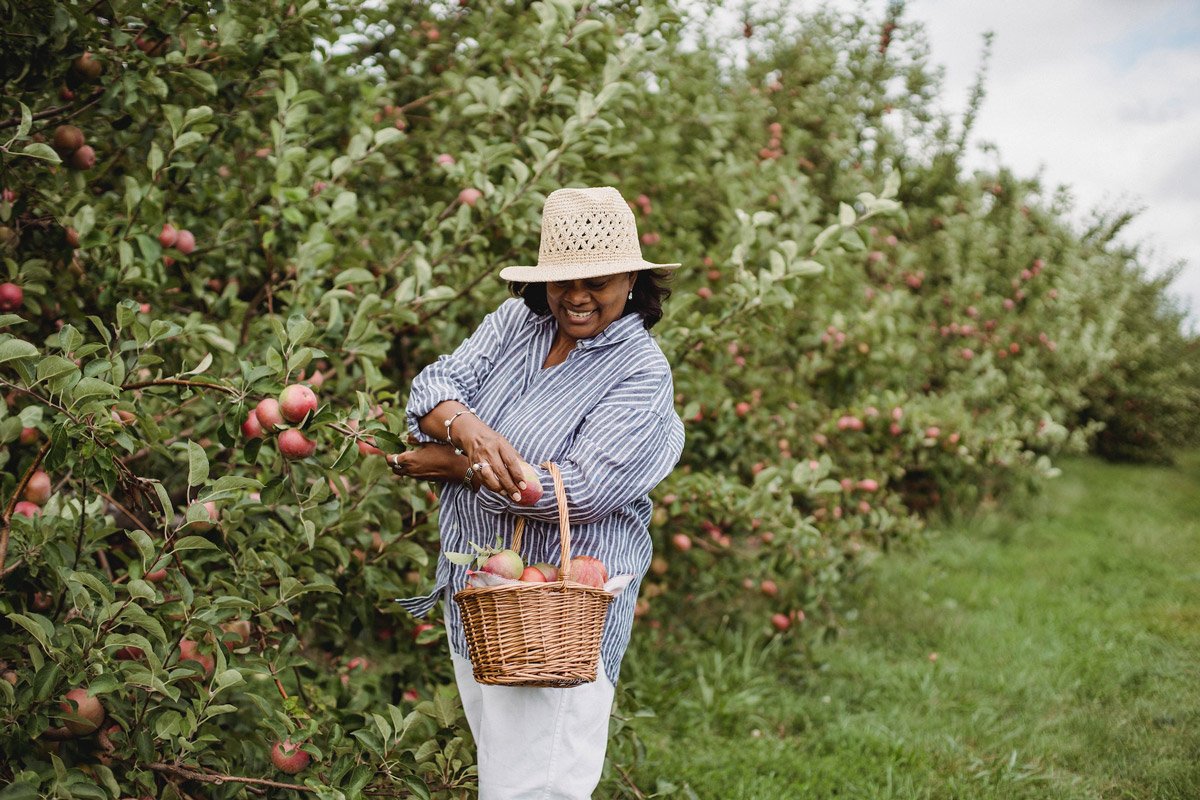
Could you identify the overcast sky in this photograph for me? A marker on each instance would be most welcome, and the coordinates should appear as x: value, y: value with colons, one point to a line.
x: 1100, y: 95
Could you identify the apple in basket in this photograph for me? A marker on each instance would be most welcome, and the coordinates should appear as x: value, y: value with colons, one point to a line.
x: 533, y: 575
x: 505, y: 564
x: 588, y: 571
x: 549, y: 570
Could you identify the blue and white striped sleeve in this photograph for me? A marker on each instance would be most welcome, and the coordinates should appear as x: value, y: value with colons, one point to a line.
x: 457, y: 376
x: 625, y: 446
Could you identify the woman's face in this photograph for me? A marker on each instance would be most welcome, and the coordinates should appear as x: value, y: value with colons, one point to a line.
x: 584, y: 308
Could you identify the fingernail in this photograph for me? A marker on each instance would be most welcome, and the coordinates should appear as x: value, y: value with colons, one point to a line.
x: 516, y: 495
x: 522, y: 485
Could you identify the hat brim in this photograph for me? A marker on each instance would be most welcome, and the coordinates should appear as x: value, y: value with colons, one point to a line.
x: 571, y: 272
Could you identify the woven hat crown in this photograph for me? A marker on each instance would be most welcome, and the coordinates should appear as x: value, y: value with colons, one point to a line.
x: 585, y: 232
x: 586, y: 226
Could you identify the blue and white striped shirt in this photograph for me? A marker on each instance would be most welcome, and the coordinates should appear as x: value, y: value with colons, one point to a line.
x: 605, y: 416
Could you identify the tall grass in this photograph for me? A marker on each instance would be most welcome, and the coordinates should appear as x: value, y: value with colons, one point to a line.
x: 1047, y: 650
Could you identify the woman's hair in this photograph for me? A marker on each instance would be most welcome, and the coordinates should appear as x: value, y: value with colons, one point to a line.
x: 650, y: 291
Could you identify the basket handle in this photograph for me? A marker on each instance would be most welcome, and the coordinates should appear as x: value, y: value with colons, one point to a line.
x: 564, y: 525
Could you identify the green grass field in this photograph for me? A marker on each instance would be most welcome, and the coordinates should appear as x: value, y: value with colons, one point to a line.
x: 1067, y: 642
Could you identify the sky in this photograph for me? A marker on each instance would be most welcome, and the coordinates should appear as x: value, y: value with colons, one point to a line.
x: 1102, y: 96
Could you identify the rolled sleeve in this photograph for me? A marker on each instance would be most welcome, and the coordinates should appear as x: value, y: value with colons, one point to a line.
x: 458, y: 376
x: 625, y: 446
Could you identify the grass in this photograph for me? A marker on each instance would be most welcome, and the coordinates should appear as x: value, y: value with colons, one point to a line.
x: 1067, y: 642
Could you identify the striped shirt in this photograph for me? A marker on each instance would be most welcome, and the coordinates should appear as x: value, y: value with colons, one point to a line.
x: 605, y: 416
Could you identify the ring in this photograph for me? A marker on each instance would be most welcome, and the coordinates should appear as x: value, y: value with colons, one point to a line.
x: 480, y: 465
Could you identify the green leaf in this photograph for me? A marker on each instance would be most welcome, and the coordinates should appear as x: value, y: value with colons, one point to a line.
x: 194, y: 543
x: 91, y: 387
x: 385, y: 136
x: 846, y: 214
x: 42, y: 152
x: 36, y: 629
x: 197, y: 464
x: 52, y: 366
x: 144, y: 544
x: 16, y: 348
x: 201, y: 78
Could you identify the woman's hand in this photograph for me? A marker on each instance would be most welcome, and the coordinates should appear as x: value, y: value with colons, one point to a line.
x: 429, y: 462
x: 501, y: 470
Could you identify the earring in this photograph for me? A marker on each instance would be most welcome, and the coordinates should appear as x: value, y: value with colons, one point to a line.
x: 630, y: 294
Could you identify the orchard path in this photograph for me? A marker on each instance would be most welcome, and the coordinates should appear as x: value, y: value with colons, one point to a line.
x: 1067, y: 642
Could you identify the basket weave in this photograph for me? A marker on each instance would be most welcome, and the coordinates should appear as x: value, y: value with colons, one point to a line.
x: 536, y: 634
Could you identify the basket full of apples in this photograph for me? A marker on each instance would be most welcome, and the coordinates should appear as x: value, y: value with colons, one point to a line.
x: 537, y: 625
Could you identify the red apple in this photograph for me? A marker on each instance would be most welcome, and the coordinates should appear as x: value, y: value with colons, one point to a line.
x: 28, y: 435
x: 295, y: 445
x: 83, y: 159
x: 588, y: 571
x: 185, y: 242
x: 742, y: 408
x: 12, y: 297
x: 549, y: 570
x: 157, y: 576
x: 768, y: 588
x: 533, y: 575
x: 27, y: 509
x: 533, y: 486
x: 211, y: 508
x: 268, y: 414
x: 72, y: 237
x: 169, y: 235
x: 682, y: 542
x: 781, y: 622
x: 296, y: 401
x: 190, y: 651
x: 252, y: 428
x: 288, y: 757
x: 85, y: 716
x: 505, y: 564
x: 38, y: 488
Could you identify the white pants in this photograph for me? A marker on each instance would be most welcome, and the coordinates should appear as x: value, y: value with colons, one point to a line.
x: 537, y: 743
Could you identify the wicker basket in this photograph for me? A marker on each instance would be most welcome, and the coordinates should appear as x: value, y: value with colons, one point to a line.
x: 536, y: 634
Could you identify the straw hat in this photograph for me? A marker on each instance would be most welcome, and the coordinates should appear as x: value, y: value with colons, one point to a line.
x: 585, y: 233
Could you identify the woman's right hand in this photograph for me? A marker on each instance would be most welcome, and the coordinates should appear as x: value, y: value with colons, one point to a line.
x: 502, y: 463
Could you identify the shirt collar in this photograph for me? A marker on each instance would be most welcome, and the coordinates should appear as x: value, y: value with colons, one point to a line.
x: 618, y: 330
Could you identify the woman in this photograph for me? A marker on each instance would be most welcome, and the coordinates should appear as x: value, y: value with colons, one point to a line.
x: 566, y: 371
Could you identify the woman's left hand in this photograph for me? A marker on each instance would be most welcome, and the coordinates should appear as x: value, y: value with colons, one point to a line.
x: 429, y: 462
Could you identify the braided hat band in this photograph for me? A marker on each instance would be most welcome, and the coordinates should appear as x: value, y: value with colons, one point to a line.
x: 585, y: 233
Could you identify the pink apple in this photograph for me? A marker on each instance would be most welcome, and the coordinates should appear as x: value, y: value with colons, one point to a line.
x: 27, y: 509
x: 288, y: 757
x: 682, y: 542
x: 781, y: 622
x: 868, y: 485
x: 505, y: 564
x: 588, y: 571
x: 268, y: 414
x: 469, y: 196
x: 445, y: 160
x: 190, y: 651
x: 38, y: 488
x: 186, y: 242
x: 769, y: 588
x: 83, y: 713
x: 12, y: 297
x: 296, y: 401
x: 533, y: 575
x: 295, y: 445
x: 30, y: 435
x: 533, y: 486
x: 548, y: 570
x: 169, y: 235
x: 252, y: 428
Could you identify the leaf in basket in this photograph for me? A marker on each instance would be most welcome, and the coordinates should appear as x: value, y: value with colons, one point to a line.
x: 462, y: 559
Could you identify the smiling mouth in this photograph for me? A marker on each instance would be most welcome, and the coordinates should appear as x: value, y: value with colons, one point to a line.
x: 578, y: 317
